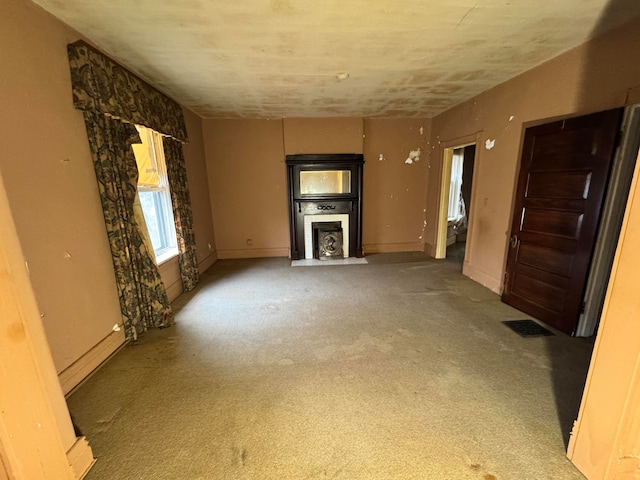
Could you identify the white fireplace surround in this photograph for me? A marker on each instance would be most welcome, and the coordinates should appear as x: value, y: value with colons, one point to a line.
x: 343, y: 218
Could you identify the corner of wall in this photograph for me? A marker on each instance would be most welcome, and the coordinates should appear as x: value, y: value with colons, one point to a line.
x: 207, y: 262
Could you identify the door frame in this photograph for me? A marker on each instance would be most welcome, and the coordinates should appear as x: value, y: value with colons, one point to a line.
x: 613, y: 210
x: 613, y: 381
x: 443, y: 200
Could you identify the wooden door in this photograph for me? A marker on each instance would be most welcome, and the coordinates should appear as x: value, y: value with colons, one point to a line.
x: 563, y: 176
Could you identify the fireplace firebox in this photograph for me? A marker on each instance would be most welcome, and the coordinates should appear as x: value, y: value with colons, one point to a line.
x: 325, y: 189
x: 327, y: 240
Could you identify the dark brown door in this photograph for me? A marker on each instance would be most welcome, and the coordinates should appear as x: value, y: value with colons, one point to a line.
x: 563, y: 176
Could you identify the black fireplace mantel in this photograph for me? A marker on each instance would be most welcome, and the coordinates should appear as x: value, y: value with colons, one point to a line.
x: 302, y: 203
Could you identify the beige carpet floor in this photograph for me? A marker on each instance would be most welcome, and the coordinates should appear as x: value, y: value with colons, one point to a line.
x: 399, y: 369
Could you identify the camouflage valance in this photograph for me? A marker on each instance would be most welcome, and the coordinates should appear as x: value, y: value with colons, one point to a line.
x: 102, y: 85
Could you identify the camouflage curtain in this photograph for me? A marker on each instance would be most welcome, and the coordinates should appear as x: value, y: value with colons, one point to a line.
x: 143, y: 299
x: 177, y: 175
x: 112, y: 100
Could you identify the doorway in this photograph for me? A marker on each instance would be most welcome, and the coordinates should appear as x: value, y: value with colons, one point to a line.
x: 455, y: 202
x: 564, y: 172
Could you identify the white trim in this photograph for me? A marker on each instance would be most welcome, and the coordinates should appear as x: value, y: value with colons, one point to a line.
x: 443, y: 206
x: 80, y: 457
x: 163, y: 206
x: 166, y: 255
x: 440, y: 248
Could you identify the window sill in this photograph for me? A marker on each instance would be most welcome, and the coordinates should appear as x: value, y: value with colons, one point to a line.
x: 164, y: 257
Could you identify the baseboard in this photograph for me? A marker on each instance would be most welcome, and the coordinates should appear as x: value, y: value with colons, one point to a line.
x: 170, y: 273
x: 429, y: 249
x: 482, y: 278
x: 80, y: 458
x: 253, y: 253
x: 207, y: 262
x: 75, y: 373
x: 392, y: 247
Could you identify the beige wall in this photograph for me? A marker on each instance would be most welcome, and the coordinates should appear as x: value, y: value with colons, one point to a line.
x: 394, y: 191
x: 51, y: 184
x: 37, y: 440
x: 194, y: 155
x: 53, y: 192
x: 593, y: 77
x: 322, y: 135
x: 245, y: 161
x: 248, y: 185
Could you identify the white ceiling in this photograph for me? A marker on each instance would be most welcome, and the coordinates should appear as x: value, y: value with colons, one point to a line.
x: 283, y: 58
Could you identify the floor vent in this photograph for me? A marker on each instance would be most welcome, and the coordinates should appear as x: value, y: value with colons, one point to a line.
x: 528, y: 328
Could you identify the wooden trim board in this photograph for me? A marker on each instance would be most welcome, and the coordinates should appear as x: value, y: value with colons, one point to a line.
x: 74, y: 374
x: 80, y: 458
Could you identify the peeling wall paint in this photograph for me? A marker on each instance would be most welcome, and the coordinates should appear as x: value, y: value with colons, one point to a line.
x: 414, y: 156
x: 565, y: 85
x: 394, y: 196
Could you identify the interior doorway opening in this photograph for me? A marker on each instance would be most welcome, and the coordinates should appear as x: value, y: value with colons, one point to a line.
x: 455, y: 202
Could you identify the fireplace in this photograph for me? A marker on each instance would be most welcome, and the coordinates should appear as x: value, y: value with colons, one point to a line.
x: 325, y: 205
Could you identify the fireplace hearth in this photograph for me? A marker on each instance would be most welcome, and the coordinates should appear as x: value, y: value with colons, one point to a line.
x: 325, y: 205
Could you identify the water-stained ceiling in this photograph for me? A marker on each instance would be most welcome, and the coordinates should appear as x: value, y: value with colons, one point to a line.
x: 319, y: 58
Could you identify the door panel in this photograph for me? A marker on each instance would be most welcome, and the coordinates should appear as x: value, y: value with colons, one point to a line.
x: 565, y: 185
x: 563, y: 176
x: 546, y: 222
x: 546, y: 259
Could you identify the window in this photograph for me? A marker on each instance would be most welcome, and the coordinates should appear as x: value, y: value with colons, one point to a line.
x: 153, y: 191
x: 456, y: 209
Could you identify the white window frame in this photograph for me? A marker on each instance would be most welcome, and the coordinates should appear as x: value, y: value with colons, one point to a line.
x: 164, y: 207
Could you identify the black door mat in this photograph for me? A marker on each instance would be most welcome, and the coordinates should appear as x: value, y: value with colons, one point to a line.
x: 528, y: 328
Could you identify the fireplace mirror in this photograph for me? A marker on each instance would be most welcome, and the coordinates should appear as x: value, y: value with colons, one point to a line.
x: 325, y: 182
